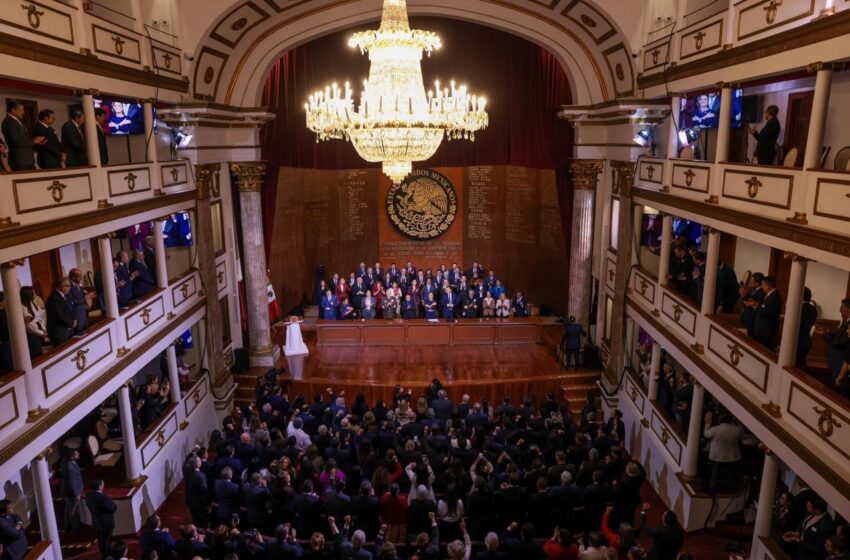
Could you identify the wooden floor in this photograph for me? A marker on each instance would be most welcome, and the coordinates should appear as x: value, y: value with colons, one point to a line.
x: 482, y: 371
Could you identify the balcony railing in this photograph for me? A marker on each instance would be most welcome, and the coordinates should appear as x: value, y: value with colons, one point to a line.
x: 817, y: 198
x: 714, y: 27
x: 805, y: 407
x: 66, y: 370
x: 106, y: 34
x: 52, y: 195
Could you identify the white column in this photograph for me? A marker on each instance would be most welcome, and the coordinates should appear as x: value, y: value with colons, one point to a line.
x: 724, y: 125
x: 585, y: 179
x: 44, y: 502
x: 193, y: 248
x: 110, y: 294
x: 139, y: 26
x: 692, y: 447
x: 654, y: 368
x: 767, y: 494
x: 18, y: 337
x: 150, y: 147
x: 681, y: 10
x: 666, y: 244
x: 159, y: 254
x: 173, y: 377
x: 637, y: 224
x: 731, y: 24
x: 817, y: 123
x: 80, y: 25
x: 90, y: 127
x: 709, y: 289
x: 132, y: 460
x: 793, y: 309
x: 249, y: 178
x: 673, y: 132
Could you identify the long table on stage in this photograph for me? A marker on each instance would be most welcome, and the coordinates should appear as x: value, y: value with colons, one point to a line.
x: 422, y: 332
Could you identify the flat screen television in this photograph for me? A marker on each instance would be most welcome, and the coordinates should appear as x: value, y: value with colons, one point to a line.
x: 121, y: 118
x: 177, y: 230
x: 703, y: 110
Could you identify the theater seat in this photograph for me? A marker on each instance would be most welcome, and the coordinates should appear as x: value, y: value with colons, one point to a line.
x: 102, y: 431
x: 105, y: 460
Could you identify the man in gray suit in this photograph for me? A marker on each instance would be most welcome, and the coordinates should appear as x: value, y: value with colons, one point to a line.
x: 12, y: 535
x: 72, y: 489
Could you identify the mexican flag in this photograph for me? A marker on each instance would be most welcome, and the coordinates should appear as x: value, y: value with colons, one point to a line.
x: 274, y: 307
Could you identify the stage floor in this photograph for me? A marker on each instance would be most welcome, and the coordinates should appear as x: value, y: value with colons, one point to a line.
x: 482, y: 371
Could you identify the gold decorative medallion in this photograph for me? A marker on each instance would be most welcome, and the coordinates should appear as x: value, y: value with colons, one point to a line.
x: 423, y: 206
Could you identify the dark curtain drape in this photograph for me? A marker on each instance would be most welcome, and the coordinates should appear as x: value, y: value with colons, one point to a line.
x: 523, y: 83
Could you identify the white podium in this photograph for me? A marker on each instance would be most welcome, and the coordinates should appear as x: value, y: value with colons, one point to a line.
x: 294, y: 341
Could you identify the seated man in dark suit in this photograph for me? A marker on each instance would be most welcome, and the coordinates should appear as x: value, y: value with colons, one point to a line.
x: 49, y: 152
x: 73, y: 140
x: 767, y: 313
x: 60, y: 321
x: 144, y: 281
x: 18, y: 141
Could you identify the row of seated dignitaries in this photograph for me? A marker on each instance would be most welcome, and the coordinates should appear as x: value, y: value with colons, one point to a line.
x: 450, y: 293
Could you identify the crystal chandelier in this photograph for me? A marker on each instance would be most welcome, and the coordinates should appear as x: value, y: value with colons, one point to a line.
x: 395, y: 122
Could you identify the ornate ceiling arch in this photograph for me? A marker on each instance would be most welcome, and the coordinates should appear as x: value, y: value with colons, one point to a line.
x: 232, y: 62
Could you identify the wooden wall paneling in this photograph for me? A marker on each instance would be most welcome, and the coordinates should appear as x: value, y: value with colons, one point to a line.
x: 728, y: 245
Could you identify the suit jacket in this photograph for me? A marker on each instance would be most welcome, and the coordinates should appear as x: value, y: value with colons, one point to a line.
x: 767, y: 316
x: 190, y: 548
x: 60, y: 320
x: 125, y: 292
x: 144, y: 282
x: 197, y: 495
x: 766, y: 138
x: 79, y: 307
x: 813, y: 538
x: 14, y: 540
x: 102, y: 510
x: 330, y: 306
x: 74, y: 145
x: 256, y: 502
x: 227, y: 494
x: 836, y: 350
x: 666, y: 542
x: 520, y: 305
x: 72, y: 480
x: 19, y: 142
x: 50, y: 153
x: 442, y: 408
x: 101, y: 146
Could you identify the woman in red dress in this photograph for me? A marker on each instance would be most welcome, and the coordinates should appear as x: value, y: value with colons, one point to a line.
x: 341, y: 291
x: 378, y: 293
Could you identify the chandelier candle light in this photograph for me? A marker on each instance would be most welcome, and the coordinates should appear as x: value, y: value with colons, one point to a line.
x: 395, y: 122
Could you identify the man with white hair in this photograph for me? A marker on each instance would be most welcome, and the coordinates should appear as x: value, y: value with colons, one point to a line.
x: 491, y: 552
x: 464, y: 407
x: 296, y: 429
x: 442, y: 405
x: 460, y: 550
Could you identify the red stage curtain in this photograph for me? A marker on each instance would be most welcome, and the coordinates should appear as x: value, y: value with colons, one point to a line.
x: 523, y: 83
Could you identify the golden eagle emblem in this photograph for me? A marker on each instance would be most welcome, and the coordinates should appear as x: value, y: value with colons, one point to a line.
x: 423, y: 206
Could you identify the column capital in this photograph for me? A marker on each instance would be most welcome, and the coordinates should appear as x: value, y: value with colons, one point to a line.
x: 44, y: 454
x: 624, y: 177
x: 710, y: 230
x: 814, y: 67
x: 794, y: 257
x: 585, y: 173
x: 13, y: 263
x: 722, y: 85
x: 90, y: 91
x: 250, y: 175
x: 205, y: 179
